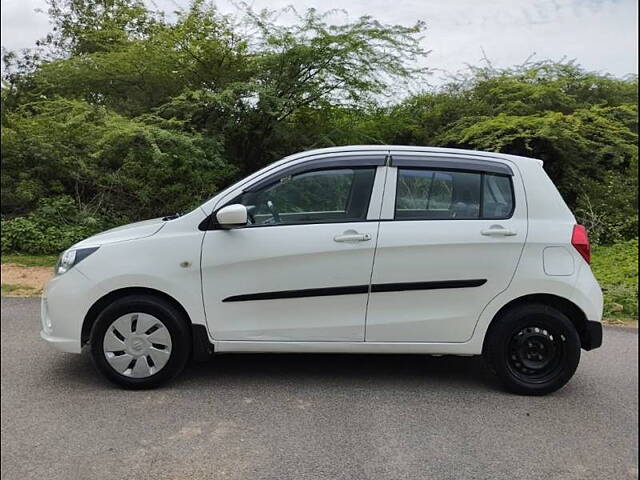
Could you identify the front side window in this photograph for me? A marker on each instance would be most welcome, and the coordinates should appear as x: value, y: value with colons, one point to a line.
x: 452, y: 195
x: 321, y: 196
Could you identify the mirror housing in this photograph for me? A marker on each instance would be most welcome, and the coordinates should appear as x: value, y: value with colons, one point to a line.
x: 232, y: 216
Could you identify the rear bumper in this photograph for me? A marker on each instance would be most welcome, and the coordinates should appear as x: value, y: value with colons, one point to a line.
x: 587, y: 294
x: 592, y: 337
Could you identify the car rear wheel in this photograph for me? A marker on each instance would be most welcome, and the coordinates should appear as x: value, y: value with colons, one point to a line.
x: 140, y: 341
x: 534, y: 349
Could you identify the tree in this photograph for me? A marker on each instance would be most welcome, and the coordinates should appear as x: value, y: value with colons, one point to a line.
x: 126, y: 114
x: 312, y: 65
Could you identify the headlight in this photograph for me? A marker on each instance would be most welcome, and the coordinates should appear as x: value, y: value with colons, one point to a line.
x: 72, y: 257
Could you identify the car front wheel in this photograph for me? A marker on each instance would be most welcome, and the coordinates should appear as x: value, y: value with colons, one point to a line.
x: 140, y: 341
x: 534, y: 349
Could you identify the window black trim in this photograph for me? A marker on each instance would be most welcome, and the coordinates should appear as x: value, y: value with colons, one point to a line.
x: 480, y: 209
x: 352, y: 161
x: 211, y: 223
x: 356, y: 289
x: 513, y: 198
x: 480, y: 217
x: 459, y: 164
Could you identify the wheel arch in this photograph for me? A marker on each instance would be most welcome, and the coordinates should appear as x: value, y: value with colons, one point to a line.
x: 571, y: 310
x: 201, y: 346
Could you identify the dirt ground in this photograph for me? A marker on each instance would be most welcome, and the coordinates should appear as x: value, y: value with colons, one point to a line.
x: 20, y: 281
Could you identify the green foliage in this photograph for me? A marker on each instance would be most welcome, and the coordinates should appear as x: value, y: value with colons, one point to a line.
x: 86, y: 26
x: 132, y: 116
x: 616, y: 268
x: 109, y: 163
x: 52, y: 227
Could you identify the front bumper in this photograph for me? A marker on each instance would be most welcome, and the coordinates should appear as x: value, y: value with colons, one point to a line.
x: 592, y: 335
x: 69, y: 345
x: 64, y: 304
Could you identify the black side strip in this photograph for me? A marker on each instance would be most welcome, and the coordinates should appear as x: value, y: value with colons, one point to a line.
x: 308, y: 292
x: 356, y: 289
x: 400, y: 287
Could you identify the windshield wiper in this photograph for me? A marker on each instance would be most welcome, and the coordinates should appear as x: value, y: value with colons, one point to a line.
x: 171, y: 217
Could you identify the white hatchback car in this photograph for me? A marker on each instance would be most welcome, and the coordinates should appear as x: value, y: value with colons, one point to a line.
x: 363, y: 249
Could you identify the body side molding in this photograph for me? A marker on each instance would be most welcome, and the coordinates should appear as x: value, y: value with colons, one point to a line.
x: 356, y: 289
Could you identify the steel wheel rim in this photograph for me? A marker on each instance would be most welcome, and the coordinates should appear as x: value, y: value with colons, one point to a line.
x: 534, y: 353
x: 137, y: 345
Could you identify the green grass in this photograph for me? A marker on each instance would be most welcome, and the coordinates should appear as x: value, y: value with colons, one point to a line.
x: 8, y: 288
x: 30, y: 260
x: 616, y: 268
x: 11, y: 290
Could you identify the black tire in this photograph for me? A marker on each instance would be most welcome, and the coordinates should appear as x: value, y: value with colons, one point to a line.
x: 172, y: 318
x: 534, y: 349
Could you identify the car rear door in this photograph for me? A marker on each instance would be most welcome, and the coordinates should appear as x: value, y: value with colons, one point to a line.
x: 301, y: 270
x: 450, y: 238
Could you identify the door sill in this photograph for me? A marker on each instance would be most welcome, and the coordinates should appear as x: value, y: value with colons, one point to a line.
x: 241, y: 346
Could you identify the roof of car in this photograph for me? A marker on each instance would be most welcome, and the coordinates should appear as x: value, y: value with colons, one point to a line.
x: 410, y: 148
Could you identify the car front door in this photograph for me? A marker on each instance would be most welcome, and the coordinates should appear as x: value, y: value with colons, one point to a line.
x: 451, y: 234
x: 300, y: 270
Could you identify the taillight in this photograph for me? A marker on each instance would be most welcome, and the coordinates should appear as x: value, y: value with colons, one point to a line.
x: 580, y: 241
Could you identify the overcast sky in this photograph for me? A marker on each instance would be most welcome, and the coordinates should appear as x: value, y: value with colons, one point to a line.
x: 601, y: 35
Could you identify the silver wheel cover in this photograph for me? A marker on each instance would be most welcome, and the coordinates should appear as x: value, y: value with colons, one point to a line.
x: 137, y: 345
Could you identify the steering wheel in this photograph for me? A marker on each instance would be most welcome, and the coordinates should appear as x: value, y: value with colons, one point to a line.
x: 273, y: 211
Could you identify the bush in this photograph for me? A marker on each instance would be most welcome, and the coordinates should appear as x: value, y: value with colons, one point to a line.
x: 616, y: 268
x: 55, y: 225
x: 139, y: 169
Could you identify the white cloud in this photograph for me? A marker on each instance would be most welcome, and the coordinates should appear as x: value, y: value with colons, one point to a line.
x: 600, y: 34
x: 21, y: 24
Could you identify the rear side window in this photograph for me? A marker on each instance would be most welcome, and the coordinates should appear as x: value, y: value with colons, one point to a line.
x: 497, y: 196
x: 452, y: 195
x: 320, y: 196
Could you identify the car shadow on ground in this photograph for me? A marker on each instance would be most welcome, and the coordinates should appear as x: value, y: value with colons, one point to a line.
x: 343, y: 367
x: 279, y: 369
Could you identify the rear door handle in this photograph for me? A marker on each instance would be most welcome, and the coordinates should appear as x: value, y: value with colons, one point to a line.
x: 352, y: 236
x: 497, y: 231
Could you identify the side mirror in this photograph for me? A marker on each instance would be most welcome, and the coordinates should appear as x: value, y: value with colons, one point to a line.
x: 232, y: 216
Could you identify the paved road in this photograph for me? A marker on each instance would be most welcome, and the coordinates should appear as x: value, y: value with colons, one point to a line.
x: 305, y: 416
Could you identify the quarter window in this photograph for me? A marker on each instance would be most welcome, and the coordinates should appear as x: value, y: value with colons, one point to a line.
x: 497, y: 198
x: 452, y: 195
x: 337, y: 195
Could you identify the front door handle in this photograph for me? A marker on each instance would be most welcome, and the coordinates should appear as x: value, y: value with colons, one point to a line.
x: 498, y: 231
x: 352, y: 236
